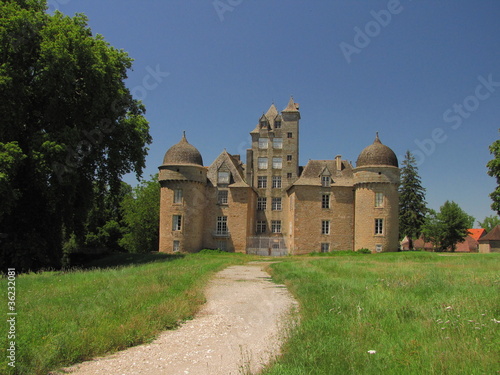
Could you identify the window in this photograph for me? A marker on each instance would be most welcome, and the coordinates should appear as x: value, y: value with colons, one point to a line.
x: 261, y: 203
x: 325, y: 227
x: 325, y: 181
x: 288, y: 175
x: 325, y: 201
x: 379, y: 199
x: 262, y: 182
x: 276, y: 206
x: 276, y: 182
x: 263, y: 123
x: 278, y: 143
x: 277, y: 163
x: 289, y: 135
x: 276, y: 226
x: 223, y: 177
x: 262, y: 163
x: 222, y: 197
x: 177, y: 196
x: 221, y: 225
x: 379, y: 226
x: 261, y: 226
x: 176, y: 222
x: 325, y: 247
x: 289, y: 158
x: 277, y: 124
x: 263, y: 143
x: 176, y: 246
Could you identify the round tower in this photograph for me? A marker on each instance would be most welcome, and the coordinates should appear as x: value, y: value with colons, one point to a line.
x: 376, y: 207
x: 182, y: 180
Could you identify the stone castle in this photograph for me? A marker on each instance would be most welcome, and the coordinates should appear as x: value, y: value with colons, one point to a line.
x: 273, y: 206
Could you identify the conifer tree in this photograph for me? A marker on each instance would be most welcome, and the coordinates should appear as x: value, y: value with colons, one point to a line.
x: 412, y: 205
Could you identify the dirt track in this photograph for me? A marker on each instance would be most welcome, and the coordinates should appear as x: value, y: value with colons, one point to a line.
x: 238, y: 331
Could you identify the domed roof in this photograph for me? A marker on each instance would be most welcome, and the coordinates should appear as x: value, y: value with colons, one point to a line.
x: 377, y: 154
x: 183, y: 153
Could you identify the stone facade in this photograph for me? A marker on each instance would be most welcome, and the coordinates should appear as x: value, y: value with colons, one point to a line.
x: 271, y: 205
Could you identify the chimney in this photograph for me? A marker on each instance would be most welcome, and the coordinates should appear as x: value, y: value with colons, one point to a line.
x: 338, y: 162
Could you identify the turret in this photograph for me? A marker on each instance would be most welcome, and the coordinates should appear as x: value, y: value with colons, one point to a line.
x: 376, y: 210
x: 183, y: 180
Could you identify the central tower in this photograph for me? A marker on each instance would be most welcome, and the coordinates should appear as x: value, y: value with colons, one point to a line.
x: 272, y: 166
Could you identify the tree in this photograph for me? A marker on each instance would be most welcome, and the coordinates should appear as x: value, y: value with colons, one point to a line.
x: 104, y: 227
x: 141, y: 214
x: 447, y: 227
x: 68, y: 122
x: 494, y: 171
x: 489, y: 222
x: 412, y: 205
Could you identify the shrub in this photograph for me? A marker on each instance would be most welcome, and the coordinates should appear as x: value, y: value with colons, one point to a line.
x: 363, y: 251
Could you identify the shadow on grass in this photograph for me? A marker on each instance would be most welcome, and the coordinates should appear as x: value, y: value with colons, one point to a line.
x: 126, y: 259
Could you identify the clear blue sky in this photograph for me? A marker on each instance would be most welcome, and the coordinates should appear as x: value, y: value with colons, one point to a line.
x: 424, y: 74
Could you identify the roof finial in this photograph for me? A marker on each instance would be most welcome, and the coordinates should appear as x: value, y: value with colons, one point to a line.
x: 377, y: 139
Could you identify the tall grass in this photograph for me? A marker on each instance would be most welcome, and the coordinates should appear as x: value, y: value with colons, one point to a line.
x: 64, y: 318
x: 404, y: 313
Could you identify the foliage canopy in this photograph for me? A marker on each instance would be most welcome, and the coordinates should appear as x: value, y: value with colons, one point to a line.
x: 68, y: 123
x: 446, y: 228
x: 494, y: 171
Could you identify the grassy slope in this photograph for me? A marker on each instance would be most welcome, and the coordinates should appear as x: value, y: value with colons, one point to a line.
x: 64, y: 318
x: 422, y: 314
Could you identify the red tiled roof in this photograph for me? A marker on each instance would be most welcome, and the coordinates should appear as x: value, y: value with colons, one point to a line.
x: 477, y: 233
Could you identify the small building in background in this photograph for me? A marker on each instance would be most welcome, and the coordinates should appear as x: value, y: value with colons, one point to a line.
x: 470, y: 245
x: 490, y: 243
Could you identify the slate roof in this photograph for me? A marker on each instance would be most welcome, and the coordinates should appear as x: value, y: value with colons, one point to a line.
x: 183, y: 153
x: 233, y: 165
x: 312, y: 172
x: 377, y: 154
x: 292, y: 106
x: 493, y: 235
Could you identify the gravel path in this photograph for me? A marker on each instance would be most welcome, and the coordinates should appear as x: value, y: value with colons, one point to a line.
x: 238, y: 331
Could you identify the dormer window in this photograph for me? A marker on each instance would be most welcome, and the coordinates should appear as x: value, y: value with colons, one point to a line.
x: 223, y: 177
x: 326, y: 181
x: 277, y: 124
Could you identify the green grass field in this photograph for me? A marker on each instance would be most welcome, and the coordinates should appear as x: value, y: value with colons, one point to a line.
x: 65, y: 318
x: 421, y: 313
x: 400, y: 313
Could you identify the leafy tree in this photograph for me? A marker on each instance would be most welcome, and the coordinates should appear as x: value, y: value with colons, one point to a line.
x: 104, y: 227
x: 494, y: 171
x: 489, y: 222
x: 447, y: 227
x: 68, y: 121
x: 141, y: 214
x: 412, y: 205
